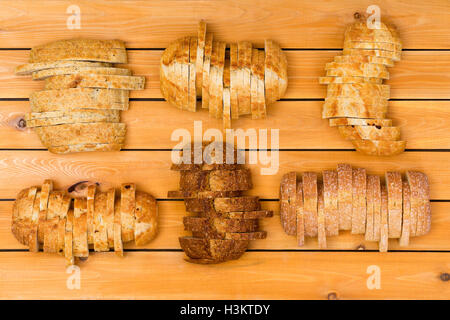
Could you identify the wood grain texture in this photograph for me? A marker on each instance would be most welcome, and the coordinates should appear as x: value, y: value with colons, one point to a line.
x: 153, y: 24
x: 171, y: 227
x: 304, y: 275
x: 150, y: 170
x: 420, y: 74
x: 151, y: 123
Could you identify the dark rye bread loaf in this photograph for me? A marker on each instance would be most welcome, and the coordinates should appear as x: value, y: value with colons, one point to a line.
x: 222, y: 220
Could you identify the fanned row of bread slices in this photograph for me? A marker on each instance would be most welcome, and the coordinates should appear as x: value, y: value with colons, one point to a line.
x: 79, y: 108
x: 234, y: 83
x: 350, y: 199
x: 222, y: 220
x: 357, y: 99
x: 68, y: 226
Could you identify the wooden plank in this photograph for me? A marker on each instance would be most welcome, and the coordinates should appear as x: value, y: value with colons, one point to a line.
x: 421, y: 24
x: 420, y: 74
x: 150, y: 169
x: 257, y: 275
x: 151, y: 123
x: 171, y: 227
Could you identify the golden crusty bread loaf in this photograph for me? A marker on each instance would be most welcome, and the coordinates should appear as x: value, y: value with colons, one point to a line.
x: 357, y: 101
x: 69, y: 228
x: 255, y: 78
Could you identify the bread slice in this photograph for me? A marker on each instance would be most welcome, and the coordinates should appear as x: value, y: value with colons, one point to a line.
x: 226, y: 109
x: 395, y: 56
x: 234, y: 82
x: 370, y: 132
x: 288, y: 212
x: 270, y: 67
x: 90, y: 204
x: 78, y: 98
x: 206, y: 70
x: 29, y: 68
x: 376, y: 188
x: 216, y: 180
x: 395, y: 203
x: 220, y: 225
x: 118, y: 244
x: 358, y: 90
x: 192, y: 100
x: 248, y: 215
x: 112, y: 116
x: 33, y: 242
x: 246, y: 235
x: 261, y: 90
x: 345, y: 196
x: 182, y: 73
x: 68, y: 134
x: 364, y: 59
x: 80, y: 239
x: 330, y: 198
x: 68, y: 240
x: 44, y: 74
x: 171, y: 83
x: 359, y: 201
x: 146, y: 215
x: 300, y: 215
x: 321, y: 231
x: 388, y: 46
x: 334, y: 122
x: 61, y: 233
x: 54, y: 204
x: 310, y: 203
x: 254, y: 85
x: 94, y: 81
x: 100, y: 236
x: 46, y: 189
x: 246, y: 203
x: 359, y: 31
x: 406, y: 226
x: 213, y: 75
x: 347, y: 80
x: 80, y: 54
x: 51, y: 236
x: 127, y: 210
x: 80, y: 43
x: 420, y: 207
x: 379, y: 147
x: 244, y: 65
x: 201, y: 36
x: 86, y: 147
x: 354, y: 107
x: 368, y: 70
x: 369, y: 208
x: 180, y: 194
x: 22, y: 219
x: 384, y: 224
x: 108, y: 216
x: 220, y: 79
x: 213, y: 249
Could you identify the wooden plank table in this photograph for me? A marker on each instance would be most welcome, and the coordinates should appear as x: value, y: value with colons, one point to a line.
x: 274, y: 268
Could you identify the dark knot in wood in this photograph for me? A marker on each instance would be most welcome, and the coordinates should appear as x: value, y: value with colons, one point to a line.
x: 445, y: 276
x: 332, y: 296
